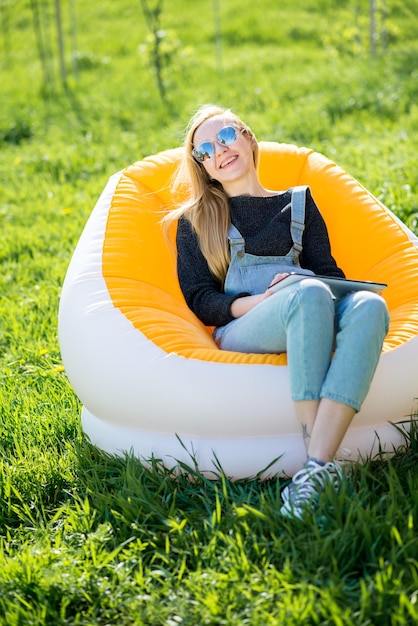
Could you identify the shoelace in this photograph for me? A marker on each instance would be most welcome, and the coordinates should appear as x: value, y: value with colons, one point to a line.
x: 307, y: 480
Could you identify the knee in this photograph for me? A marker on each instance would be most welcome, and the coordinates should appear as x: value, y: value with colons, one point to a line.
x: 373, y: 306
x: 380, y: 310
x: 312, y: 299
x: 315, y: 293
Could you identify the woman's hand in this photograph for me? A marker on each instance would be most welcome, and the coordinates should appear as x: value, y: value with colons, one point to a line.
x: 240, y: 306
x: 277, y: 279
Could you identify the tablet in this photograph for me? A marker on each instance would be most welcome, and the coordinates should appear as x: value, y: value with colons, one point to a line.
x: 339, y: 286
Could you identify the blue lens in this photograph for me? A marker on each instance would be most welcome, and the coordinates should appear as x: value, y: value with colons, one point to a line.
x: 227, y: 136
x: 206, y: 150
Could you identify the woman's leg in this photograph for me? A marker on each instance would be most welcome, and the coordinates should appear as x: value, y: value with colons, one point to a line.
x: 330, y: 425
x: 362, y: 323
x: 306, y: 411
x: 298, y: 320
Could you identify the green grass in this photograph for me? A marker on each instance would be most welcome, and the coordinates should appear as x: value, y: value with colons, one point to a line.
x: 90, y: 539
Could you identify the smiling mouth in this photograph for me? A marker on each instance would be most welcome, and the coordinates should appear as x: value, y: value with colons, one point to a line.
x: 228, y: 162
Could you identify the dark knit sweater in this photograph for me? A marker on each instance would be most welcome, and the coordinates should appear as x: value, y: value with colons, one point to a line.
x: 264, y: 224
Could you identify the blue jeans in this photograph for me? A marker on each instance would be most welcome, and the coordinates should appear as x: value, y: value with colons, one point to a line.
x: 306, y: 322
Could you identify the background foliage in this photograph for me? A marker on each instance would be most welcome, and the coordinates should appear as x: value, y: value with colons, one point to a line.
x: 88, y: 539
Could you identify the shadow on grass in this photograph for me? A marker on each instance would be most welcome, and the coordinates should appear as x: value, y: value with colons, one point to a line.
x: 147, y: 495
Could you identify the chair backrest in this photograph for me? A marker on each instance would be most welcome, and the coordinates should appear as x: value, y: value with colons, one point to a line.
x: 139, y: 264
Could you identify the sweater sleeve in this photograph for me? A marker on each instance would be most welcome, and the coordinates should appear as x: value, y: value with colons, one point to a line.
x: 202, y: 291
x: 316, y: 254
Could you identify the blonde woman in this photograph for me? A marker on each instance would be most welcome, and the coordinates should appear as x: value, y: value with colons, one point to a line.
x: 235, y: 241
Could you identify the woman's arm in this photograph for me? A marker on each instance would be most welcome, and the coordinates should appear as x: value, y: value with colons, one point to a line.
x: 242, y: 305
x: 202, y: 291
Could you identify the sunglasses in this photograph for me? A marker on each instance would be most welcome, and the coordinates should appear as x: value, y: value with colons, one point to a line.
x: 206, y: 150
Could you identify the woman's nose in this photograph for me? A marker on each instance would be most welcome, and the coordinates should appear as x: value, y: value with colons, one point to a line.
x: 220, y: 147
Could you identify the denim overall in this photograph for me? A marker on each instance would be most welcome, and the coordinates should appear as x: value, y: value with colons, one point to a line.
x: 253, y: 274
x: 305, y: 321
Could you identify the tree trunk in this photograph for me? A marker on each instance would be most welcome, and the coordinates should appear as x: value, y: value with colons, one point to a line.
x: 44, y: 57
x: 60, y: 37
x: 373, y: 34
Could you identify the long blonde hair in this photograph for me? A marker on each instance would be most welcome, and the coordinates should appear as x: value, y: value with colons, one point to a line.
x: 207, y: 207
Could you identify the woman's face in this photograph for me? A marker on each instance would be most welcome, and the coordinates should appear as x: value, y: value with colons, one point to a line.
x: 229, y: 163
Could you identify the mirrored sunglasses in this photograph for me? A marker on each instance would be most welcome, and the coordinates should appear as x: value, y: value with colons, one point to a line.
x: 206, y: 150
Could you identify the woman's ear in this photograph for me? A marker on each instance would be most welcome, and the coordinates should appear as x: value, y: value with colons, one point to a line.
x: 250, y: 135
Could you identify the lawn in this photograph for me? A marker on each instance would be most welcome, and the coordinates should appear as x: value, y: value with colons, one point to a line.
x: 87, y: 538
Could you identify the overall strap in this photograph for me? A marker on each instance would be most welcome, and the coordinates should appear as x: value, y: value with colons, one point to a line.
x: 297, y: 224
x: 235, y: 238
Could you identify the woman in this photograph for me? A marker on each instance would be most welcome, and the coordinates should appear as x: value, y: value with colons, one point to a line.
x: 235, y: 240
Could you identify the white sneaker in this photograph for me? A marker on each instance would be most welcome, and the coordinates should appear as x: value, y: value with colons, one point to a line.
x: 306, y: 486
